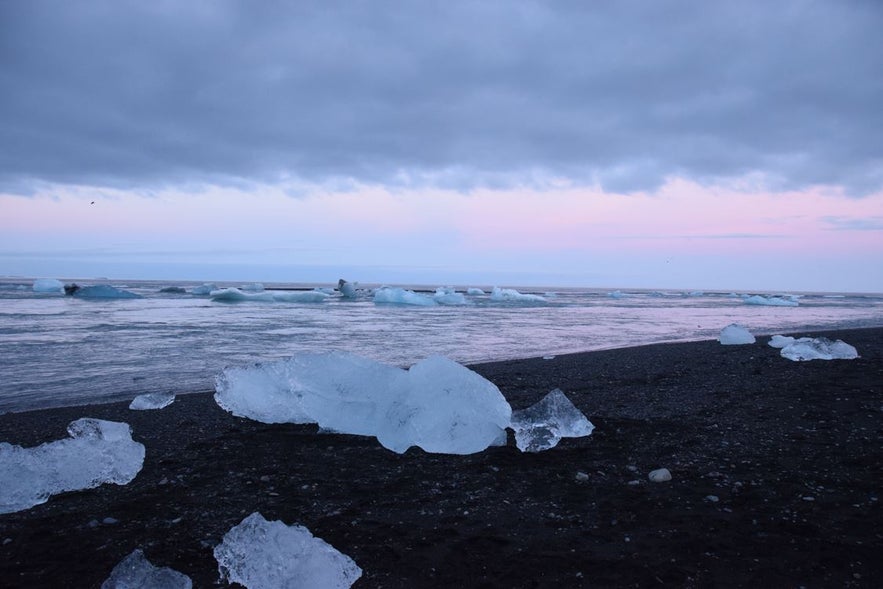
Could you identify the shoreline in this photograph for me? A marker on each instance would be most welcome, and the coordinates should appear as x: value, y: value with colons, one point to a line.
x: 791, y: 452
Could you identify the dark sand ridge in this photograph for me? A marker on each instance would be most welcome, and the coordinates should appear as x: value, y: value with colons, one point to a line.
x: 792, y: 451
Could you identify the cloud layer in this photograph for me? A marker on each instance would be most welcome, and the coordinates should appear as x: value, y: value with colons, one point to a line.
x: 453, y: 94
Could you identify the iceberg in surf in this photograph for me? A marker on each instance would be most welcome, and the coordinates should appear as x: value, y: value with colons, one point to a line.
x: 135, y: 571
x: 104, y: 291
x: 204, y: 289
x: 446, y: 295
x: 400, y: 296
x: 48, y: 285
x: 820, y: 348
x: 234, y: 295
x: 258, y: 553
x: 541, y: 426
x: 437, y: 405
x: 97, y: 452
x: 735, y: 335
x: 152, y: 401
x: 346, y: 289
x: 510, y: 294
x: 770, y: 301
x: 474, y: 291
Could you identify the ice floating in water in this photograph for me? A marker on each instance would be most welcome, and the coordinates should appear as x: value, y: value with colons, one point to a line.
x: 734, y: 335
x: 136, y: 572
x: 616, y: 294
x: 234, y: 295
x: 474, y: 291
x: 152, y: 401
x: 400, y: 296
x: 541, y: 426
x: 446, y: 295
x: 770, y: 301
x: 104, y: 291
x: 510, y: 294
x: 347, y: 289
x: 261, y: 554
x: 820, y: 348
x: 438, y: 405
x: 97, y: 452
x: 48, y: 285
x: 204, y: 289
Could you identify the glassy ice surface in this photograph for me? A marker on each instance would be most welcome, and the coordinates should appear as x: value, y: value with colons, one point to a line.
x: 437, y: 404
x: 136, y: 572
x: 60, y: 350
x: 771, y: 301
x: 401, y: 296
x: 96, y: 453
x: 267, y: 554
x: 541, y: 426
x: 780, y: 341
x: 235, y: 295
x: 152, y: 401
x: 735, y: 335
x: 48, y: 285
x: 820, y: 348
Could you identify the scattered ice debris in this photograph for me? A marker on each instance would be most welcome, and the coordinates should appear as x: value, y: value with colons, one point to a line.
x: 548, y: 357
x: 48, y: 285
x: 734, y: 335
x: 474, y: 291
x: 660, y: 475
x: 770, y: 301
x: 446, y: 295
x: 234, y: 295
x: 97, y: 452
x: 104, y: 291
x: 347, y: 289
x: 541, y: 426
x: 510, y: 294
x: 437, y: 404
x: 204, y: 289
x: 262, y: 554
x: 400, y: 296
x: 820, y: 348
x: 136, y: 572
x: 152, y: 401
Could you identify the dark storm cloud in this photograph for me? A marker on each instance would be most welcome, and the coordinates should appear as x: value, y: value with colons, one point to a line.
x: 625, y: 93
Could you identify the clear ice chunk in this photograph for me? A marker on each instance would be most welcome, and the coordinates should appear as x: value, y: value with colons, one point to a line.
x: 541, y: 426
x: 97, y: 452
x: 820, y: 348
x: 136, y: 572
x: 152, y: 401
x: 261, y: 554
x: 735, y: 335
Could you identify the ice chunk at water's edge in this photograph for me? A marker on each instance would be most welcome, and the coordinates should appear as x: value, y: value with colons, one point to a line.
x: 97, y: 452
x: 541, y: 426
x: 136, y: 571
x: 152, y: 401
x: 735, y: 335
x: 261, y: 553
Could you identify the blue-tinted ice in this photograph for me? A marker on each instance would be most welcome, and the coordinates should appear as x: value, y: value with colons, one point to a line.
x: 136, y: 572
x: 541, y: 426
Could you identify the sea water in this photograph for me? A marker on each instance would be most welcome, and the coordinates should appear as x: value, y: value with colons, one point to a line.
x: 58, y: 350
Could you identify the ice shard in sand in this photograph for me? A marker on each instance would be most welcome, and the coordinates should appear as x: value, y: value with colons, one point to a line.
x: 261, y: 554
x: 152, y: 401
x: 97, y: 452
x: 541, y: 426
x: 136, y: 572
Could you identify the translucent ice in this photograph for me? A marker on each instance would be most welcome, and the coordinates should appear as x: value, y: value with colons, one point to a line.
x: 152, y: 401
x: 510, y: 294
x: 734, y: 335
x: 234, y: 295
x: 780, y: 341
x: 262, y: 554
x: 445, y: 295
x: 820, y: 348
x: 770, y: 301
x: 204, y: 289
x: 400, y: 296
x: 48, y: 285
x: 474, y: 291
x: 541, y: 426
x: 97, y: 452
x: 347, y: 289
x: 437, y: 405
x: 104, y: 291
x: 136, y: 572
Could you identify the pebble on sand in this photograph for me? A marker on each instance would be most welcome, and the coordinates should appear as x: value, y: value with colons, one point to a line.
x: 659, y: 475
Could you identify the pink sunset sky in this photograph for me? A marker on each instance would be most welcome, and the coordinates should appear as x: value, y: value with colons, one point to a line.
x: 470, y: 143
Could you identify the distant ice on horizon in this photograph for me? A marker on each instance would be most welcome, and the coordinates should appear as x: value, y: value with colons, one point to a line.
x: 511, y: 295
x: 770, y: 301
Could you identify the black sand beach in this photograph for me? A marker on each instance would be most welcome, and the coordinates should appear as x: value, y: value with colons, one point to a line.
x: 777, y: 472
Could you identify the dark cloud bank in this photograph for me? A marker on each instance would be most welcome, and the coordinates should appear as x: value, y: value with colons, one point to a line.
x: 459, y: 94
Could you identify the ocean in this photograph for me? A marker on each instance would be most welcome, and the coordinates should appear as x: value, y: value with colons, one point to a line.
x: 58, y: 350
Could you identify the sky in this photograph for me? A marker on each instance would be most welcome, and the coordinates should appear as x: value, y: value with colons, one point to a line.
x: 669, y: 144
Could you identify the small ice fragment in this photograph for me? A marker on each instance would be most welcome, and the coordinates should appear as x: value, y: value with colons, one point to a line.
x: 712, y: 498
x: 659, y: 475
x: 135, y: 571
x: 581, y: 476
x: 548, y: 357
x: 512, y: 295
x: 152, y: 401
x: 258, y: 553
x: 97, y: 452
x: 735, y: 334
x: 820, y: 348
x: 541, y: 426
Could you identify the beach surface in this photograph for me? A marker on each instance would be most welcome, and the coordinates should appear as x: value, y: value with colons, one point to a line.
x: 777, y: 472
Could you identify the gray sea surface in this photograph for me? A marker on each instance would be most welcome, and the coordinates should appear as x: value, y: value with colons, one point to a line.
x: 58, y: 350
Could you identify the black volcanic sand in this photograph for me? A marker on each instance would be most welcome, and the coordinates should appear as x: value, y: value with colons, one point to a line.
x: 791, y: 451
